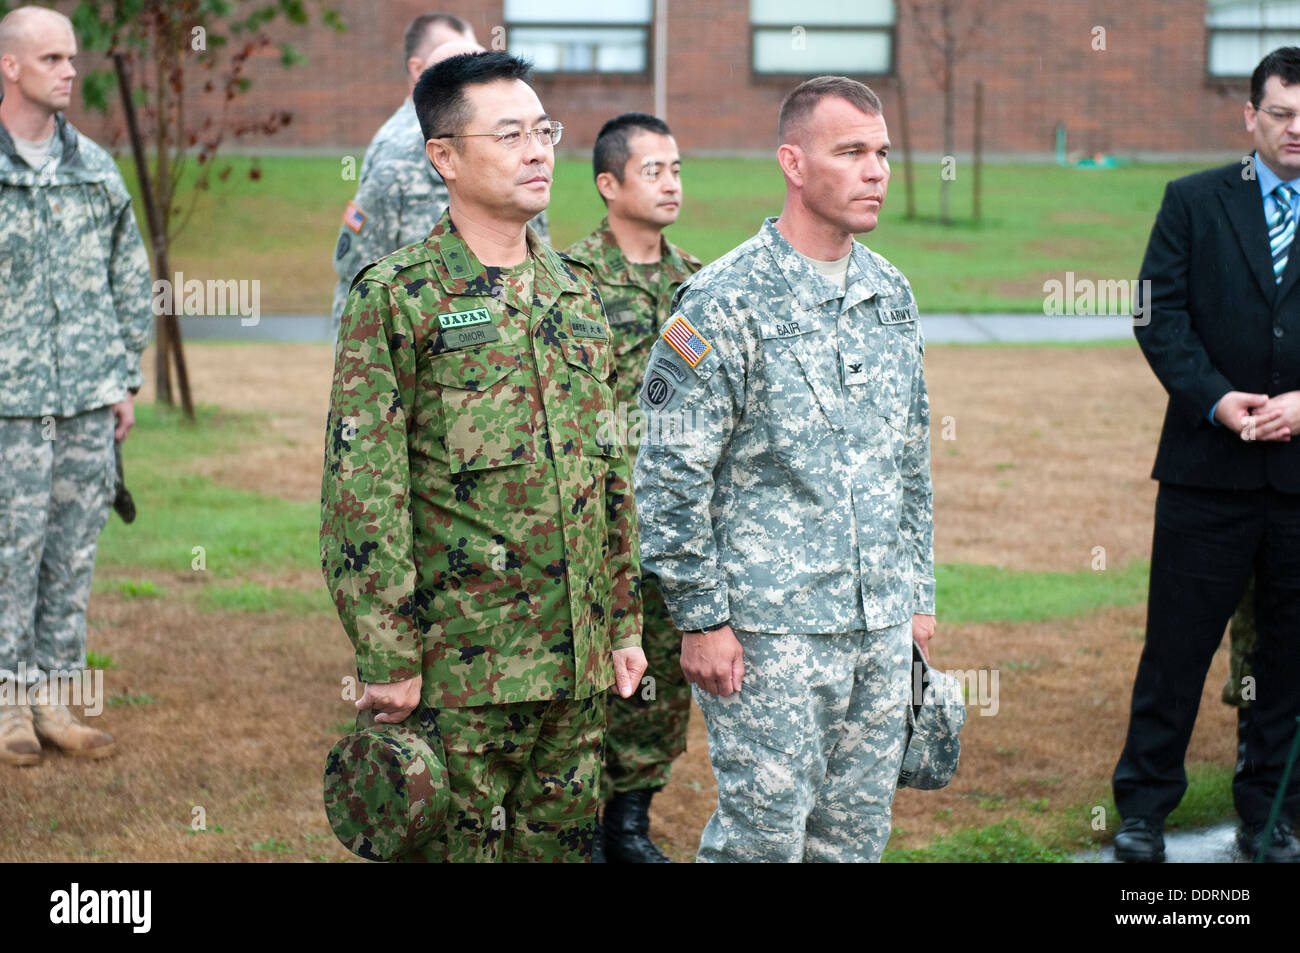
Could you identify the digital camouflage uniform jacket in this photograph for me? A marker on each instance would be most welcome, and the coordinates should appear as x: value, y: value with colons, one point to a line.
x: 799, y: 500
x: 74, y: 281
x: 473, y: 525
x: 399, y: 198
x: 635, y: 307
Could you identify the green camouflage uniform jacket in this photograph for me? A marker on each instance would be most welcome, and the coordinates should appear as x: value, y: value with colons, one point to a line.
x: 797, y: 499
x: 74, y: 281
x: 474, y: 526
x: 636, y: 303
x: 399, y: 198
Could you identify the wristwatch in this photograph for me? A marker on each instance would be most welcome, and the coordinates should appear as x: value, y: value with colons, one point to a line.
x: 706, y: 630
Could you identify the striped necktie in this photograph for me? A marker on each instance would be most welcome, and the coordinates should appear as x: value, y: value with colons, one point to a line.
x: 1281, y: 230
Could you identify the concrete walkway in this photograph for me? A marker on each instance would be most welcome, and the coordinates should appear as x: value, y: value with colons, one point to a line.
x: 938, y: 328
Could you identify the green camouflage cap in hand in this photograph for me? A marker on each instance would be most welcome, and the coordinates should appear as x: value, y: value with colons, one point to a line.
x: 386, y: 791
x: 934, y: 720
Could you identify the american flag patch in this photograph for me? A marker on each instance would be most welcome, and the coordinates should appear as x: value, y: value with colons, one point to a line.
x: 686, y: 341
x: 354, y: 218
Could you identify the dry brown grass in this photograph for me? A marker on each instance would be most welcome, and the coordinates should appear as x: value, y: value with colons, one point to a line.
x: 243, y: 705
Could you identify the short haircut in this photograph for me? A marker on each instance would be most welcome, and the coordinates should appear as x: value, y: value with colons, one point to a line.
x: 803, y: 100
x: 418, y: 32
x: 612, y: 150
x: 15, y: 26
x: 1284, y: 63
x: 439, y: 95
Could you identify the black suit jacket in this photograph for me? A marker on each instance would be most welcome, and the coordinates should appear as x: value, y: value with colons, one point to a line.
x: 1218, y: 322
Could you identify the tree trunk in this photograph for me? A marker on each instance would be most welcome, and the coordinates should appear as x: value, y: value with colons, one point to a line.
x: 167, y: 341
x: 909, y: 187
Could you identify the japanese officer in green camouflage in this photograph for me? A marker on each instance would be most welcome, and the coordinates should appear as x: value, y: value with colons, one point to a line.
x: 74, y: 319
x: 638, y: 174
x: 478, y: 532
x: 791, y: 527
x: 399, y: 193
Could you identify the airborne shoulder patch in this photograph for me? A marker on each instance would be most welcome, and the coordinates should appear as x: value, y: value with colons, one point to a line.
x: 657, y: 390
x: 685, y: 340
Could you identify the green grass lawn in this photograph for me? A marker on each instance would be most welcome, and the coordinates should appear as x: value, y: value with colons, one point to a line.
x: 1039, y: 222
x: 249, y: 538
x: 187, y: 520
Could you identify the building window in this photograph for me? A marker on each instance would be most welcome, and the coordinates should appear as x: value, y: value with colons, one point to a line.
x: 577, y: 36
x: 1241, y: 32
x: 813, y: 37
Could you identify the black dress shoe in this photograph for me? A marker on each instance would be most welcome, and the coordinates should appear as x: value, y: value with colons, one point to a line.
x: 1283, y: 847
x: 627, y: 830
x: 1140, y: 841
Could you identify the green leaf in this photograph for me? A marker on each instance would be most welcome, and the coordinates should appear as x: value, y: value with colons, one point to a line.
x: 289, y: 56
x: 96, y: 90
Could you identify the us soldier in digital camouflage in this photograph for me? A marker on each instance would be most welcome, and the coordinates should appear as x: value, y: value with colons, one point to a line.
x: 399, y: 193
x: 478, y: 530
x: 74, y: 319
x: 791, y: 529
x: 638, y: 174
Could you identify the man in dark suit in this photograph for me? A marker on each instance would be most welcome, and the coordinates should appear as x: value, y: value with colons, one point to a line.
x: 1223, y: 337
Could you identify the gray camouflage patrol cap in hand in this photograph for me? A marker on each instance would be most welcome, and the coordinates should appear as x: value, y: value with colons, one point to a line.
x: 386, y: 791
x: 934, y: 719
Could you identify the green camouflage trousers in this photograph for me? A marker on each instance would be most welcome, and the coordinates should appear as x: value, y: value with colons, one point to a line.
x: 648, y: 730
x: 524, y: 781
x: 1241, y: 641
x: 56, y: 483
x: 807, y: 754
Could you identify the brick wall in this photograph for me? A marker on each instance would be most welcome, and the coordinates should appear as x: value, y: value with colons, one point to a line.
x: 1147, y: 92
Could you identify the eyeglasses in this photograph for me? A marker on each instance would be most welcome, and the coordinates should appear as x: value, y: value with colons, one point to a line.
x: 548, y: 134
x: 1283, y: 116
x: 652, y: 170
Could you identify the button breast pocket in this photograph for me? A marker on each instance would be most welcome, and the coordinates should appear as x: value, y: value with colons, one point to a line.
x: 799, y: 408
x: 891, y: 362
x: 485, y: 408
x: 591, y: 362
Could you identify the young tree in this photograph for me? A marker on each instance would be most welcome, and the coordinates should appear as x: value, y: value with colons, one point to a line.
x: 950, y: 30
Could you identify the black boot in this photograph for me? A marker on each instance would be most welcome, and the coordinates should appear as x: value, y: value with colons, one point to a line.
x: 627, y: 830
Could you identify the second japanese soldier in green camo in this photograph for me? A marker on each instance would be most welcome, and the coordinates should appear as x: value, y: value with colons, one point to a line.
x: 638, y: 175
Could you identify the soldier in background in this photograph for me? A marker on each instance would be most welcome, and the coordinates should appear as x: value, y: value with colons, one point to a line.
x: 399, y: 193
x: 791, y: 528
x: 1241, y: 641
x: 75, y: 312
x: 638, y: 174
x: 478, y: 529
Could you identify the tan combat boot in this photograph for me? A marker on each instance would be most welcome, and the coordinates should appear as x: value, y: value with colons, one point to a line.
x: 54, y: 723
x: 18, y: 744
